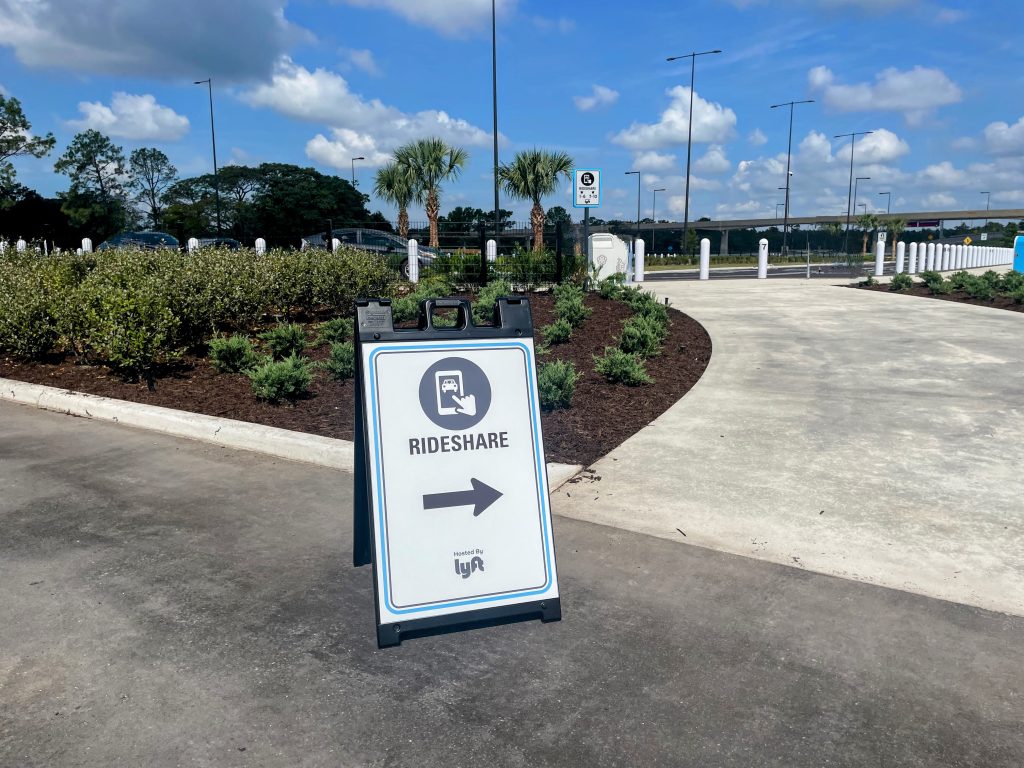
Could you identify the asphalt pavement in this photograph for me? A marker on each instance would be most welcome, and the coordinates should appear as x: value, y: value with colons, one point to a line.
x: 829, y: 271
x: 172, y: 603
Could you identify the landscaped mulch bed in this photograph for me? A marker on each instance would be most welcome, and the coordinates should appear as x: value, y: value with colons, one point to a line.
x: 920, y: 289
x: 602, y: 415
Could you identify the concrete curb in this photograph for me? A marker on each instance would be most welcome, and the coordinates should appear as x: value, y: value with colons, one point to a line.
x: 228, y: 433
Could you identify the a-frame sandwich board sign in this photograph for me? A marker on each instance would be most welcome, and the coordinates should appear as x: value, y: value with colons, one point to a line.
x: 451, y: 501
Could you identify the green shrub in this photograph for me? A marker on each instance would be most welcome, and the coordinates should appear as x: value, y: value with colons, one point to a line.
x: 334, y: 331
x: 959, y: 280
x: 901, y: 282
x: 569, y: 304
x: 643, y: 335
x: 1012, y: 281
x: 869, y: 280
x: 611, y: 287
x: 285, y: 340
x: 618, y: 366
x: 992, y: 278
x: 233, y: 354
x: 637, y: 298
x: 930, y: 277
x: 557, y: 332
x: 655, y: 312
x: 406, y: 308
x: 1018, y: 295
x: 276, y: 380
x: 483, y: 307
x: 342, y: 362
x: 979, y: 288
x: 556, y: 382
x: 32, y: 293
x: 527, y: 269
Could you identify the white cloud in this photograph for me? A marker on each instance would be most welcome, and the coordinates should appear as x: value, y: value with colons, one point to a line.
x: 1005, y: 139
x: 359, y: 126
x: 601, y: 96
x: 711, y: 123
x: 943, y: 174
x: 964, y: 143
x: 229, y: 41
x: 881, y: 146
x: 134, y: 117
x: 451, y: 18
x: 654, y: 162
x: 713, y: 161
x: 362, y: 58
x: 757, y: 138
x: 914, y: 93
x: 939, y: 200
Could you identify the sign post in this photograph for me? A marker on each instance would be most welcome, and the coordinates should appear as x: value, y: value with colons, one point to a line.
x: 451, y: 495
x: 586, y: 194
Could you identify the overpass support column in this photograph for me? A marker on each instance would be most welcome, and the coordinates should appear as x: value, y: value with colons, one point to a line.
x: 723, y: 248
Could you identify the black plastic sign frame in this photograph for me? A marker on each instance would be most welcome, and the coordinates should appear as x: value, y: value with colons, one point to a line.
x: 460, y: 504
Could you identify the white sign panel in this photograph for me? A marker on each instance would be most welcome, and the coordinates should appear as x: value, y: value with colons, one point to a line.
x: 457, y: 477
x: 586, y: 188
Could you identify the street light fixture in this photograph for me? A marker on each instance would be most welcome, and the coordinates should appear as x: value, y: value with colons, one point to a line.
x: 637, y: 174
x: 888, y: 202
x: 213, y: 138
x: 857, y: 181
x: 777, y: 206
x: 654, y: 218
x: 865, y: 207
x: 354, y: 169
x: 849, y: 200
x: 988, y: 199
x: 789, y: 157
x: 689, y: 136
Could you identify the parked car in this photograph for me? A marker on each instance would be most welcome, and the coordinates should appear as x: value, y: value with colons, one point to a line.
x: 374, y: 240
x: 150, y: 241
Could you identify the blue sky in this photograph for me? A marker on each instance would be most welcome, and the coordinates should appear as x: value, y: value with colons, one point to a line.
x: 316, y: 83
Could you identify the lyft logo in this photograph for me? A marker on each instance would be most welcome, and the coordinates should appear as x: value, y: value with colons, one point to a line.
x: 468, y: 568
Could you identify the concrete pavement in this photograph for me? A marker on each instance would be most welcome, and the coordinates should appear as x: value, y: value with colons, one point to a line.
x: 171, y: 603
x: 871, y: 436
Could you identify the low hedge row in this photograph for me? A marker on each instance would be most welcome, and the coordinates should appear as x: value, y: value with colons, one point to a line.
x: 131, y: 309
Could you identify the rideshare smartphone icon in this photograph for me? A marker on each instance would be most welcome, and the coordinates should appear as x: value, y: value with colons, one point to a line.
x: 448, y: 386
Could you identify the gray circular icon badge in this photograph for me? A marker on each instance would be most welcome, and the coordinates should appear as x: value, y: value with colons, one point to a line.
x: 455, y: 393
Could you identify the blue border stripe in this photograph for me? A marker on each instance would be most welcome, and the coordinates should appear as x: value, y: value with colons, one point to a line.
x: 379, y: 475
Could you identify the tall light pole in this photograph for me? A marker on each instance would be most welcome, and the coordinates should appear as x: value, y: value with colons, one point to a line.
x: 689, y: 136
x: 849, y: 200
x: 213, y: 139
x: 494, y: 95
x: 857, y: 181
x: 988, y: 199
x: 354, y: 169
x: 789, y: 174
x: 637, y: 174
x: 888, y: 202
x: 654, y: 218
x: 865, y: 207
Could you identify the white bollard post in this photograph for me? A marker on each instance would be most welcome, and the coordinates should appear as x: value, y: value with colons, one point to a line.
x: 414, y: 261
x: 705, y: 259
x: 638, y: 260
x: 492, y: 250
x: 335, y: 244
x: 79, y: 252
x: 912, y: 259
x: 901, y: 249
x: 762, y: 259
x: 3, y: 247
x: 261, y: 246
x: 86, y: 245
x: 944, y: 258
x: 929, y: 258
x: 879, y: 258
x: 21, y: 246
x: 193, y: 244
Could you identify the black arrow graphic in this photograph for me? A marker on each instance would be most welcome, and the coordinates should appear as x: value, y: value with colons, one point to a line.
x: 480, y: 498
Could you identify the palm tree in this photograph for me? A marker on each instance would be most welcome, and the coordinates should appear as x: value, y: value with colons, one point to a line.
x: 429, y: 163
x: 867, y: 222
x: 395, y: 184
x: 896, y: 227
x: 533, y: 174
